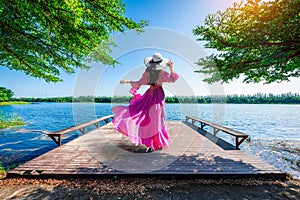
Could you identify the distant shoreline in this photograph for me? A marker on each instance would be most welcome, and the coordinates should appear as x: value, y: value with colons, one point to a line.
x: 288, y: 98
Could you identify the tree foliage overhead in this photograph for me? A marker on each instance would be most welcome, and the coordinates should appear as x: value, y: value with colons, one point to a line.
x: 257, y: 39
x: 43, y: 37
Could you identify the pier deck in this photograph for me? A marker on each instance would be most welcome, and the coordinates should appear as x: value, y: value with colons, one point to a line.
x: 105, y: 152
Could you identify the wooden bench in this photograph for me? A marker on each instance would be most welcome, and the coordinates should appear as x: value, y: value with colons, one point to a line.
x: 239, y: 136
x: 57, y: 135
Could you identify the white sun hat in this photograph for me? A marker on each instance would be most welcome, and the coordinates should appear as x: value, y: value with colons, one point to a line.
x: 158, y: 60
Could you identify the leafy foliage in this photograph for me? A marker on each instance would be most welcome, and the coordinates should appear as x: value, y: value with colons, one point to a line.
x: 5, y: 94
x: 42, y: 38
x: 257, y: 39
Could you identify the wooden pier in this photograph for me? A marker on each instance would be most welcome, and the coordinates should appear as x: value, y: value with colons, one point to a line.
x: 105, y: 152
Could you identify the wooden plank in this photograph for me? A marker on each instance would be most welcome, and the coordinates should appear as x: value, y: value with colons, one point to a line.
x: 104, y: 151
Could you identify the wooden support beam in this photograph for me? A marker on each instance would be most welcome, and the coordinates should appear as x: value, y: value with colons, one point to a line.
x: 202, y: 125
x: 82, y: 130
x: 193, y: 121
x: 56, y: 140
x: 216, y: 130
x: 239, y: 142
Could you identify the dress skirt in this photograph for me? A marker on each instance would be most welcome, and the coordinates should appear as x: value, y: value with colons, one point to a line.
x: 142, y: 121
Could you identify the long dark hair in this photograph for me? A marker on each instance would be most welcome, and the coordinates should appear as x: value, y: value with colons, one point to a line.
x: 153, y: 73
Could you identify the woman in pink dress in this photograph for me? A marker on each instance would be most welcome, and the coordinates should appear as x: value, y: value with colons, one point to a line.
x: 143, y: 119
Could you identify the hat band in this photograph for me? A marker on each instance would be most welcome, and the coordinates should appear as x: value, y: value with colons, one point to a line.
x: 159, y: 61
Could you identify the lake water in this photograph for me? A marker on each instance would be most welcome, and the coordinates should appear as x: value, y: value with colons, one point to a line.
x: 274, y: 129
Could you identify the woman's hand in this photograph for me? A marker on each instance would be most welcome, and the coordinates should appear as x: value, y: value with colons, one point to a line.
x: 170, y: 65
x: 124, y: 81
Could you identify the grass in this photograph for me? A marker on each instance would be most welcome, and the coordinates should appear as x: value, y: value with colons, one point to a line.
x: 10, y: 120
x: 6, y: 103
x: 1, y: 168
x: 2, y: 172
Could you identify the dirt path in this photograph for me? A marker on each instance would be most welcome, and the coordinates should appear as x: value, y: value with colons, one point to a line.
x: 136, y: 188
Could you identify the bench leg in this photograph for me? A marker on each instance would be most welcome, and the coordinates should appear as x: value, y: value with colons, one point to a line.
x: 216, y: 131
x: 82, y: 131
x: 239, y: 142
x: 202, y: 125
x: 57, y: 141
x: 193, y: 121
x: 96, y: 124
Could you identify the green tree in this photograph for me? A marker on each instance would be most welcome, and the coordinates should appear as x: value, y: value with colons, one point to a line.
x: 5, y: 94
x: 257, y: 39
x: 43, y: 38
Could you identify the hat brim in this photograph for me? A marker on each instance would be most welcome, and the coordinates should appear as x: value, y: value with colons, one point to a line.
x: 147, y: 60
x: 160, y: 66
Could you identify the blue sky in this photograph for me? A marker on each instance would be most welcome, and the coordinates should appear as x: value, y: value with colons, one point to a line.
x: 169, y: 32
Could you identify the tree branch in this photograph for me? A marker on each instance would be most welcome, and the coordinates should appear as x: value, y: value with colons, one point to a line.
x: 18, y: 57
x: 31, y: 37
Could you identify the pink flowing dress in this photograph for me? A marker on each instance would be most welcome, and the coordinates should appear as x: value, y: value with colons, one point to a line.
x: 143, y: 119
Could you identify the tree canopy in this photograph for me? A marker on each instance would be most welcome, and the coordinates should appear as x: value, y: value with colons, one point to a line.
x: 5, y: 94
x: 257, y: 39
x: 42, y: 38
